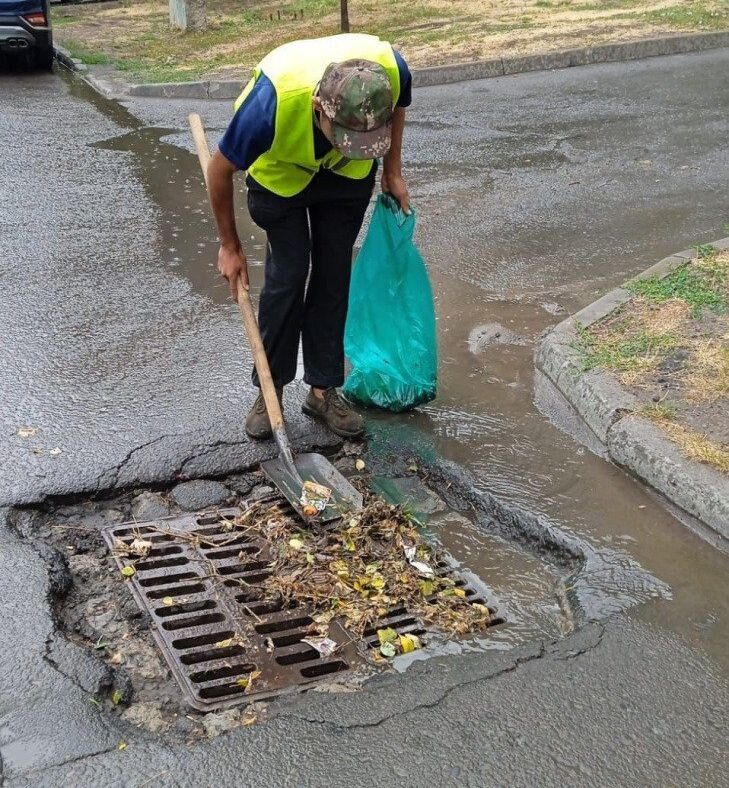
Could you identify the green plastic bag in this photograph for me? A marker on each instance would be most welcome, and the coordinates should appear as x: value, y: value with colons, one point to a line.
x: 390, y: 335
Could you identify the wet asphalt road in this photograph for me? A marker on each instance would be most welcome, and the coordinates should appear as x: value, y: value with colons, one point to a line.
x: 535, y: 194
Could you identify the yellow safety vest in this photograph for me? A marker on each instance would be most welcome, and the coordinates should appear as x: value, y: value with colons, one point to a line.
x: 295, y: 70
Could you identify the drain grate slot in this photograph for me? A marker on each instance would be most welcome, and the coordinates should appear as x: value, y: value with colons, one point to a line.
x: 195, y: 621
x: 167, y: 579
x: 211, y: 655
x: 200, y: 584
x: 201, y: 640
x: 224, y: 672
x: 323, y: 669
x: 186, y: 607
x: 148, y: 566
x: 176, y: 590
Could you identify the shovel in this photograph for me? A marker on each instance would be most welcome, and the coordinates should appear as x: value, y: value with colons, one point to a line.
x: 288, y: 472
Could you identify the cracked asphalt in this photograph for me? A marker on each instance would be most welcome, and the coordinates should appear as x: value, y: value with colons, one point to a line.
x: 119, y: 349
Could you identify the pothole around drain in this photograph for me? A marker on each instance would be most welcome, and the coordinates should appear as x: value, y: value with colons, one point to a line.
x: 104, y: 629
x: 200, y: 582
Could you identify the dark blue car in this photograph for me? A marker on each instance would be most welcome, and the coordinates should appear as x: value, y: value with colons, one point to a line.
x: 25, y: 29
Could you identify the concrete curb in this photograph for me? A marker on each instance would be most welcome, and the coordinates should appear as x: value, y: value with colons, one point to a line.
x: 633, y: 442
x: 435, y: 75
x: 106, y: 87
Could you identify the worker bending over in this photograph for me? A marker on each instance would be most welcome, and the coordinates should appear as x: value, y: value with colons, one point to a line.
x: 309, y: 128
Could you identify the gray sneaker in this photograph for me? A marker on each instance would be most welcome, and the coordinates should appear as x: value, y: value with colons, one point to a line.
x: 335, y: 412
x: 258, y: 425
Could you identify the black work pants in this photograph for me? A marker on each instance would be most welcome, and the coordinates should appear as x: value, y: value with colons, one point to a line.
x: 310, y: 235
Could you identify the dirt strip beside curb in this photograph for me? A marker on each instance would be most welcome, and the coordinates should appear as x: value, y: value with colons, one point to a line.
x: 114, y: 86
x: 611, y: 412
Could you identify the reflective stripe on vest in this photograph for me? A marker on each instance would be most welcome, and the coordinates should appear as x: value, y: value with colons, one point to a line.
x: 295, y: 70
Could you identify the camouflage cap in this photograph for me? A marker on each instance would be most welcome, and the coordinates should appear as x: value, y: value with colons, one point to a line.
x: 356, y: 96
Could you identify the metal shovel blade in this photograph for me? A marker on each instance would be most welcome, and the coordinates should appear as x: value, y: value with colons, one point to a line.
x: 315, y: 468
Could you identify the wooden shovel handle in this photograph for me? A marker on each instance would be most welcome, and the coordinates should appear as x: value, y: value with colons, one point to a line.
x: 246, y: 310
x: 259, y: 359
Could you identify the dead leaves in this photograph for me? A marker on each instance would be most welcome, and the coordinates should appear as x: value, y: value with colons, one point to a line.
x: 140, y: 547
x: 137, y: 548
x: 409, y: 643
x: 391, y: 643
x: 247, y: 682
x: 235, y: 640
x: 354, y: 575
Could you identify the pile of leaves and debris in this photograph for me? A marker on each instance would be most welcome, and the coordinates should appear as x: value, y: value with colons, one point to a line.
x: 354, y: 573
x: 368, y: 564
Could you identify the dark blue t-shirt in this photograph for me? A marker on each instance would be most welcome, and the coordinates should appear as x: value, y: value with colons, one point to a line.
x: 251, y: 130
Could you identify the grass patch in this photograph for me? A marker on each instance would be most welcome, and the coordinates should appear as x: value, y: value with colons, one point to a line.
x: 692, y: 444
x: 705, y: 16
x: 706, y: 376
x: 660, y: 411
x: 670, y: 344
x: 89, y: 56
x: 625, y: 351
x: 701, y: 285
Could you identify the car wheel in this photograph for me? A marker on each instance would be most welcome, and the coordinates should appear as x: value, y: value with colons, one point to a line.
x: 43, y: 59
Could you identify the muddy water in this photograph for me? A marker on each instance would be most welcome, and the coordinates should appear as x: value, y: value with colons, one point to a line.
x: 484, y: 418
x: 522, y: 585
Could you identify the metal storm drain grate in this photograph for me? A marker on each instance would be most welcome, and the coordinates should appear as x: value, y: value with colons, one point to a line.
x: 200, y: 583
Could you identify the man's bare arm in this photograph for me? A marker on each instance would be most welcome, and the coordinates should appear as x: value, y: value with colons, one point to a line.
x: 231, y: 257
x: 392, y: 181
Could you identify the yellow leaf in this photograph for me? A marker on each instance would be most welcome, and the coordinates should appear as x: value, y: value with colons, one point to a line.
x: 122, y: 746
x: 168, y: 600
x: 453, y: 592
x: 427, y: 587
x: 409, y: 643
x: 349, y: 545
x: 377, y: 582
x: 481, y: 609
x: 249, y: 720
x: 339, y: 568
x: 242, y: 682
x: 224, y: 643
x: 387, y: 635
x: 252, y: 676
x: 128, y: 571
x: 295, y: 543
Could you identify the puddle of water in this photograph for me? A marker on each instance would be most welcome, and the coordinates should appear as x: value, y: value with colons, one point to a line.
x: 523, y: 586
x: 485, y: 419
x: 186, y: 241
